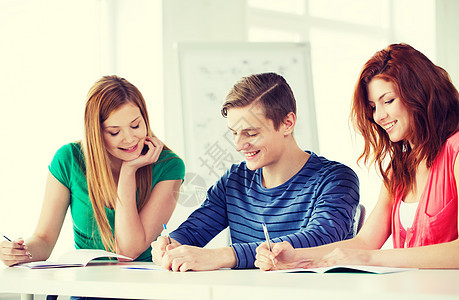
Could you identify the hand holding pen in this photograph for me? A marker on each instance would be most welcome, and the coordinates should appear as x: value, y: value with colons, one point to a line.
x: 162, y: 245
x: 13, y: 252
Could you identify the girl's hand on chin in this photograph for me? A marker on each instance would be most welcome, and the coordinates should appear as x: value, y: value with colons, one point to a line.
x: 151, y: 153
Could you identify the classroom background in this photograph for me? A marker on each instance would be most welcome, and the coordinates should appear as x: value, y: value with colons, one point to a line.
x: 52, y: 51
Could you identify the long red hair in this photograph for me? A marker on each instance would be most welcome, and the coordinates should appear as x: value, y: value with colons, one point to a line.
x: 432, y: 100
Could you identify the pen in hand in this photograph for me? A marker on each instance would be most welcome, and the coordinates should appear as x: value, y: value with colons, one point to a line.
x: 9, y: 240
x: 268, y: 242
x: 167, y: 234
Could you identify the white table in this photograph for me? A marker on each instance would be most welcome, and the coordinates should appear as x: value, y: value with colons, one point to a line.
x: 105, y: 280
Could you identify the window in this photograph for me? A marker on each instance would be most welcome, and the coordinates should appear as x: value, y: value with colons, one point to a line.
x: 50, y: 56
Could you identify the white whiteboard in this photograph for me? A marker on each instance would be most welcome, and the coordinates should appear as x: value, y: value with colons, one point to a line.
x: 209, y: 70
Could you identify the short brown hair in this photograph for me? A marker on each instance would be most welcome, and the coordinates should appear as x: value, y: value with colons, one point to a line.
x: 268, y: 89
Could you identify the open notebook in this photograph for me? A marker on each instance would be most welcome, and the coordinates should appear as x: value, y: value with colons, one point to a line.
x: 346, y: 269
x: 74, y: 258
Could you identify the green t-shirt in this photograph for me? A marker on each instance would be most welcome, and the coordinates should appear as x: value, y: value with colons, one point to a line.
x: 68, y: 168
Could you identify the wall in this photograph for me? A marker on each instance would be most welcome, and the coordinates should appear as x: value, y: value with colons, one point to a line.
x: 447, y: 32
x: 197, y: 20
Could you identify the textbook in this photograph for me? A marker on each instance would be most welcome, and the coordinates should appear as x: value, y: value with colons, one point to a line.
x: 346, y: 269
x: 74, y: 258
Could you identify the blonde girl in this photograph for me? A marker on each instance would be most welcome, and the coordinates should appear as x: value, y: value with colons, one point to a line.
x: 121, y: 182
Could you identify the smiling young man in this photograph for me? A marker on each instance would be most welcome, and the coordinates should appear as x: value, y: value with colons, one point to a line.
x: 301, y: 197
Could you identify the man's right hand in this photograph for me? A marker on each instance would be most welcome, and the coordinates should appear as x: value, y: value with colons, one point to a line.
x: 160, y: 247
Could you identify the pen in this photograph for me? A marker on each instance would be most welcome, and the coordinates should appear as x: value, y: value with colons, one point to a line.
x: 6, y: 238
x: 265, y: 230
x: 167, y: 234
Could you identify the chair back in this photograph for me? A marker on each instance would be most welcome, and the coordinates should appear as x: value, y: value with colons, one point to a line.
x: 359, y: 218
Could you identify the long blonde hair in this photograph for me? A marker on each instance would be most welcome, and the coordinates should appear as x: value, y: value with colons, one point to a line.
x: 106, y: 96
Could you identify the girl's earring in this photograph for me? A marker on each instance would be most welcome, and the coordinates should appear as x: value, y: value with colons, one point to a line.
x: 405, y: 147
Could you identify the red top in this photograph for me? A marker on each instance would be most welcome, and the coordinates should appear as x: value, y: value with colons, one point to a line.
x: 436, y: 217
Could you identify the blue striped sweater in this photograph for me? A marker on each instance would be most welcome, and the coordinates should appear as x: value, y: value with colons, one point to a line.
x: 314, y: 207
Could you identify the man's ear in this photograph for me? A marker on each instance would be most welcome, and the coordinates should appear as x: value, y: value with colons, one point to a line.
x: 288, y: 124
